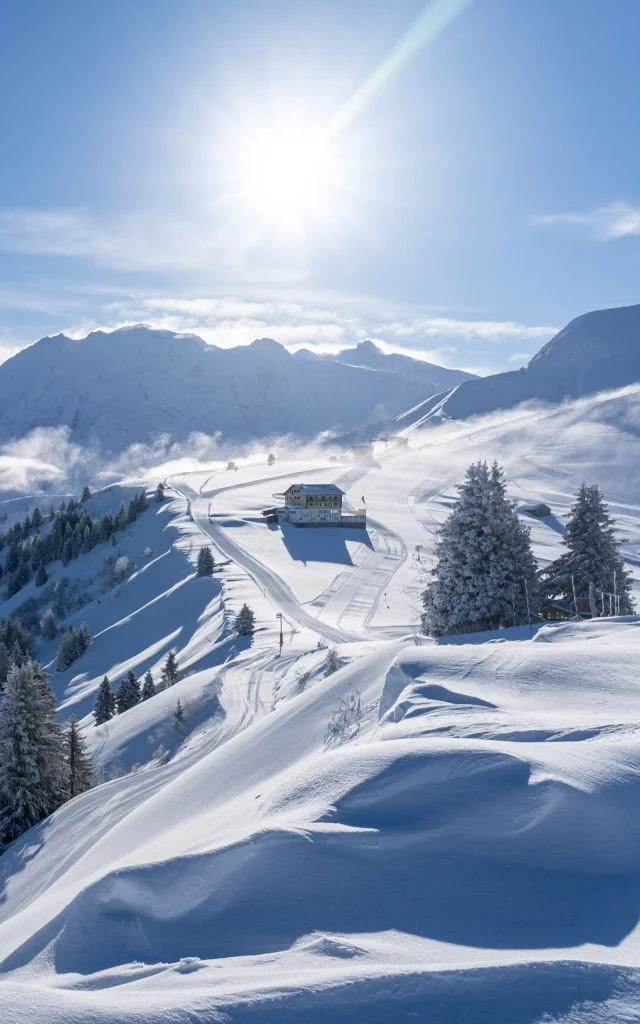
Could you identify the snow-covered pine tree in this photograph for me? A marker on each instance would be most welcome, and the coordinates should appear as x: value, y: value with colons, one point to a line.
x: 333, y: 662
x: 206, y: 562
x: 178, y: 717
x: 483, y: 557
x: 5, y: 665
x: 132, y: 511
x: 128, y: 694
x: 78, y: 764
x: 592, y: 555
x: 48, y: 625
x: 245, y: 621
x: 41, y: 575
x: 159, y: 493
x: 51, y: 745
x: 68, y: 650
x: 86, y: 494
x: 148, y: 688
x: 31, y: 752
x: 141, y: 501
x: 104, y: 705
x: 169, y: 671
x: 84, y: 637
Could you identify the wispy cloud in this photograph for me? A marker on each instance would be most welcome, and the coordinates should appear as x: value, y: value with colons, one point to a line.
x: 606, y: 223
x: 322, y: 323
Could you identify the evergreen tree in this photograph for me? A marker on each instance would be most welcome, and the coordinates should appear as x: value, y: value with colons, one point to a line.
x: 31, y: 752
x: 206, y: 562
x: 483, y: 557
x: 178, y: 717
x: 41, y: 575
x: 592, y: 556
x: 86, y: 494
x: 159, y: 493
x: 67, y: 552
x: 148, y: 688
x: 37, y: 518
x: 244, y: 623
x: 104, y: 706
x: 170, y: 671
x: 84, y: 638
x: 5, y: 665
x: 141, y: 501
x: 48, y: 625
x: 333, y: 662
x: 79, y: 768
x: 128, y: 694
x: 132, y: 511
x: 68, y: 650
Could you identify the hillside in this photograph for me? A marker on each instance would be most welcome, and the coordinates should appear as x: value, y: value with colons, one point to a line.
x: 134, y: 384
x: 595, y: 352
x: 463, y: 848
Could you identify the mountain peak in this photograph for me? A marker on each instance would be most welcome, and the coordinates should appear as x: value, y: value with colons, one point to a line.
x: 368, y: 347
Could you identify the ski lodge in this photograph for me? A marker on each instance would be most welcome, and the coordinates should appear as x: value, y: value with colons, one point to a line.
x: 315, y: 505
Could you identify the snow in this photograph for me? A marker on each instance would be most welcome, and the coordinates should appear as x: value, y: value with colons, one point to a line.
x: 470, y: 853
x: 130, y: 386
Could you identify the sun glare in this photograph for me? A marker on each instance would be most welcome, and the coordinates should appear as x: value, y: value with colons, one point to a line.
x: 287, y: 178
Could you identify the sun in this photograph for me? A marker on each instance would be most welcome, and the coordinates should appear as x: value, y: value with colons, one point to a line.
x: 286, y: 178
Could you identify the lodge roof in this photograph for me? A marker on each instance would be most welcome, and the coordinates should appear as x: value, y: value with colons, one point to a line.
x: 317, y: 488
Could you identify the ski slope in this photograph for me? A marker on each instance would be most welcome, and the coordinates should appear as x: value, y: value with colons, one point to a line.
x: 468, y: 853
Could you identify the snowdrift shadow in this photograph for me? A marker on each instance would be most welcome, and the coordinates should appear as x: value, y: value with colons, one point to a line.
x: 518, y: 994
x: 322, y: 543
x: 458, y: 847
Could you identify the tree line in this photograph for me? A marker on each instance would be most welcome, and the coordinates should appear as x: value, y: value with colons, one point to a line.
x: 129, y: 693
x: 486, y: 576
x: 72, y: 531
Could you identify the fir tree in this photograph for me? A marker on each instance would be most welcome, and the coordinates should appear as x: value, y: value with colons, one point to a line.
x: 128, y: 694
x: 169, y: 671
x: 244, y: 623
x: 84, y: 637
x: 69, y: 649
x: 79, y: 768
x: 592, y: 556
x: 104, y: 706
x: 159, y: 493
x: 206, y: 563
x: 86, y: 494
x: 483, y: 557
x: 333, y: 662
x: 41, y: 575
x: 5, y: 665
x: 31, y: 752
x: 178, y: 717
x: 148, y: 688
x: 37, y: 518
x: 48, y: 625
x: 141, y: 501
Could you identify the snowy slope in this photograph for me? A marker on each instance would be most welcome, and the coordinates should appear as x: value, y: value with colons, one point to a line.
x: 136, y: 383
x: 595, y: 352
x: 469, y: 854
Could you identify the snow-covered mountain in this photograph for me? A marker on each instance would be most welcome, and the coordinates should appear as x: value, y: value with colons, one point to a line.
x: 595, y: 352
x: 366, y: 353
x: 136, y: 383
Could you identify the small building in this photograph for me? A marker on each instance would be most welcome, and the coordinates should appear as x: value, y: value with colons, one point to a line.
x: 231, y: 465
x: 316, y: 505
x: 537, y: 509
x: 316, y: 496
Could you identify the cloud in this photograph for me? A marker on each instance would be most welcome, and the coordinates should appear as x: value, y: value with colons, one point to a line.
x: 606, y: 223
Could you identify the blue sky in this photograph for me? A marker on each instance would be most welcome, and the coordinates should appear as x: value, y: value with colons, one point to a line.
x: 482, y: 192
